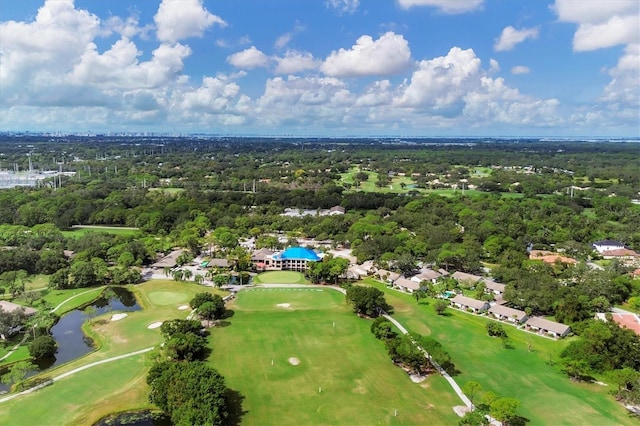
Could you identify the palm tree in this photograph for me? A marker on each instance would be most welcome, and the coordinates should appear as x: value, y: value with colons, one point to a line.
x: 198, y: 279
x: 178, y: 274
x: 187, y: 274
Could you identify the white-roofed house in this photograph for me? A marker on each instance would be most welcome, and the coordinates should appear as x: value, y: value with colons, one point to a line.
x: 407, y: 285
x: 504, y: 313
x: 470, y: 304
x: 544, y: 326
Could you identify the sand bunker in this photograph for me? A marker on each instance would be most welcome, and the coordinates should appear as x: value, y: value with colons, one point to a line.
x: 118, y: 317
x: 294, y: 361
x: 415, y: 378
x: 284, y: 305
x: 154, y: 325
x: 183, y: 307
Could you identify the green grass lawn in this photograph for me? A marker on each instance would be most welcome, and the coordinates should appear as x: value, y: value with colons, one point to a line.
x: 280, y: 277
x: 87, y: 396
x: 79, y: 232
x: 82, y: 297
x: 359, y: 384
x: 547, y: 396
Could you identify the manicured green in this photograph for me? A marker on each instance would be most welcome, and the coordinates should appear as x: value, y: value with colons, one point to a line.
x: 547, y: 396
x: 163, y: 298
x: 280, y: 277
x: 344, y: 377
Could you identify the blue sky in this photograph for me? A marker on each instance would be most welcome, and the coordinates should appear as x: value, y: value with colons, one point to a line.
x: 322, y: 67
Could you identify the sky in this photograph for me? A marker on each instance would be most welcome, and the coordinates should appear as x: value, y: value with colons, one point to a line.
x: 422, y: 68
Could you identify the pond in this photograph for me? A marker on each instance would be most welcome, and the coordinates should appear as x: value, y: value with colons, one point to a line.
x: 67, y: 332
x: 72, y: 343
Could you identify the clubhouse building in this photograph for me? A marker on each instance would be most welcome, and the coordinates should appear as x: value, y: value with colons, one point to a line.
x: 291, y: 259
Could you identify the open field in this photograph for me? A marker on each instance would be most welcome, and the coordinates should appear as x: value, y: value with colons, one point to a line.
x: 547, y: 396
x: 280, y: 277
x: 344, y: 375
x: 110, y: 387
x: 397, y: 183
x: 79, y: 231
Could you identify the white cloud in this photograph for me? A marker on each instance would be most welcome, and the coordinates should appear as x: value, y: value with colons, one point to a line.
x: 46, y: 47
x: 445, y: 6
x: 617, y: 30
x: 388, y: 55
x: 510, y: 37
x: 343, y: 6
x: 623, y: 90
x: 601, y: 24
x: 294, y: 62
x: 282, y: 41
x: 494, y: 66
x: 492, y: 101
x: 180, y: 19
x: 249, y: 58
x: 520, y: 69
x: 440, y: 83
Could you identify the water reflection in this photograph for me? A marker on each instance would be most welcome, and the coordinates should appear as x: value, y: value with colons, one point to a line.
x: 72, y: 342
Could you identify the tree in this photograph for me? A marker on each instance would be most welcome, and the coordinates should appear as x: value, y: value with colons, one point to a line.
x: 220, y: 280
x: 504, y: 409
x: 495, y: 330
x: 211, y: 310
x: 473, y: 418
x: 472, y: 389
x: 382, y: 329
x: 59, y: 279
x: 185, y: 346
x: 419, y: 295
x: 169, y: 328
x: 191, y: 393
x: 440, y: 306
x: 200, y: 298
x: 367, y: 300
x: 43, y: 347
x: 18, y: 372
x: 178, y: 274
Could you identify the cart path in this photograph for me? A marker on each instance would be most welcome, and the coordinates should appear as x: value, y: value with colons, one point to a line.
x: 74, y: 371
x: 72, y: 297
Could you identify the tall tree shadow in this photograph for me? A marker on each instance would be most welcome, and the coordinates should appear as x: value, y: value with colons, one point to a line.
x: 234, y: 406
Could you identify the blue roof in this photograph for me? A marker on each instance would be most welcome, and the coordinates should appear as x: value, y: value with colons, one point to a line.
x: 300, y: 253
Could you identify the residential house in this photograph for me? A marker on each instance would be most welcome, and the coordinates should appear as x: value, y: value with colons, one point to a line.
x: 494, y: 287
x: 168, y: 261
x: 356, y: 272
x: 218, y: 263
x: 468, y: 303
x: 426, y: 275
x: 12, y: 307
x: 387, y: 276
x: 504, y: 313
x: 623, y: 254
x: 466, y: 280
x: 607, y: 245
x: 545, y: 326
x: 406, y: 285
x: 258, y: 258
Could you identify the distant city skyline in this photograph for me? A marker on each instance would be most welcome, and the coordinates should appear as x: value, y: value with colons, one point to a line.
x: 332, y: 68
